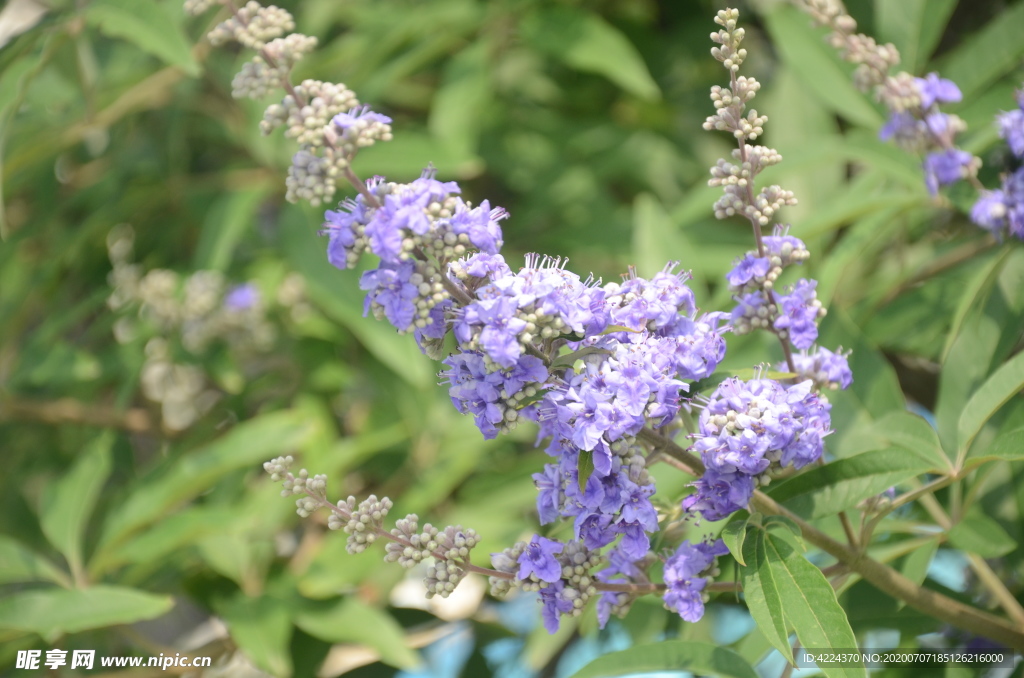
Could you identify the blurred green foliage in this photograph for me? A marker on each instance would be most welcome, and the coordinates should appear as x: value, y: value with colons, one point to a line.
x: 583, y: 119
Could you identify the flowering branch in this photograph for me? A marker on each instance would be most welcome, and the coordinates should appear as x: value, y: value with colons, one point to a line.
x: 598, y: 367
x: 917, y: 125
x: 883, y: 577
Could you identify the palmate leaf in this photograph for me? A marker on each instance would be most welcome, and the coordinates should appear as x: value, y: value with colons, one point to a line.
x: 674, y: 655
x: 842, y: 484
x: 989, y: 330
x: 735, y: 534
x: 776, y: 572
x: 1004, y: 383
x: 18, y: 563
x: 912, y: 432
x: 1008, y: 446
x: 977, y: 533
x: 761, y: 591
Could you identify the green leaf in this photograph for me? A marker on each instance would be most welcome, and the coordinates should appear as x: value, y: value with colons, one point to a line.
x: 912, y: 432
x: 915, y: 565
x: 174, y: 532
x: 811, y: 605
x: 842, y: 484
x: 672, y: 655
x: 988, y: 333
x: 656, y: 235
x: 353, y: 621
x: 786, y: 528
x: 977, y: 533
x: 584, y: 467
x: 974, y: 296
x: 225, y: 225
x: 148, y: 25
x: 587, y: 42
x: 734, y: 534
x: 18, y: 563
x: 804, y: 50
x: 247, y: 445
x: 761, y: 591
x: 987, y: 54
x: 53, y: 612
x: 1005, y: 382
x: 68, y: 503
x: 914, y: 26
x: 1008, y: 446
x: 262, y: 628
x: 569, y: 359
x: 457, y: 110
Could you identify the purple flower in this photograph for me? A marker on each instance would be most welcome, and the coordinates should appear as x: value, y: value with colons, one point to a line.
x: 746, y: 427
x: 555, y: 605
x: 483, y: 265
x: 488, y: 395
x: 798, y: 313
x: 719, y: 495
x: 480, y: 224
x: 1011, y: 128
x: 825, y: 368
x: 390, y: 290
x: 748, y: 268
x: 1013, y: 189
x: 945, y: 167
x: 539, y: 559
x: 549, y: 499
x: 902, y: 127
x: 362, y: 114
x: 937, y: 90
x: 684, y: 586
x: 242, y: 297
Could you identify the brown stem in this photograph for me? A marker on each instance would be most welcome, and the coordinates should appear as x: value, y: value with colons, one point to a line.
x: 71, y: 411
x: 989, y: 579
x: 360, y: 186
x: 848, y: 529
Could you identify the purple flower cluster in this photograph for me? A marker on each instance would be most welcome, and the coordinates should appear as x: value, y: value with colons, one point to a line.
x: 922, y: 128
x: 416, y: 229
x: 493, y: 398
x: 794, y: 314
x: 936, y: 90
x: 756, y: 272
x: 945, y: 167
x: 827, y: 369
x: 684, y: 584
x: 542, y: 301
x: 747, y: 428
x: 1002, y: 211
x: 798, y: 314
